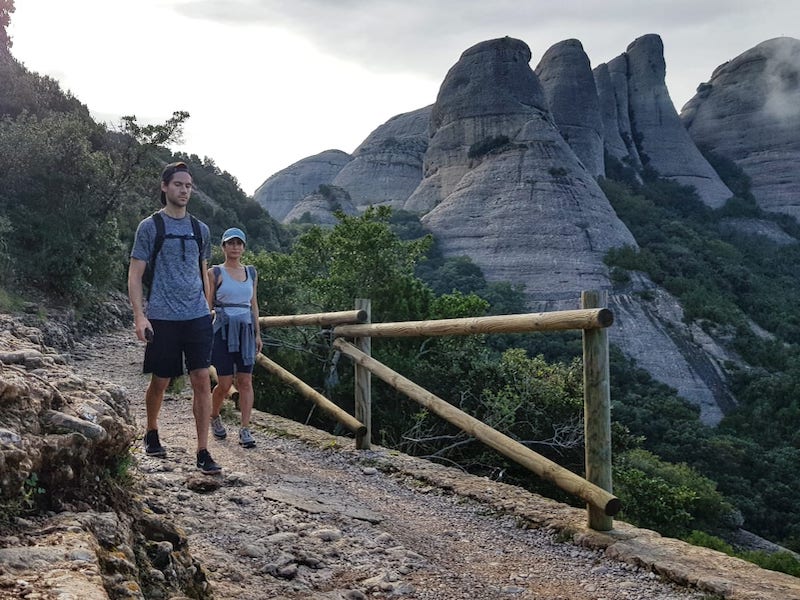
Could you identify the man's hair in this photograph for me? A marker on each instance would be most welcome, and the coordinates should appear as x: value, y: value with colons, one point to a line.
x: 168, y: 173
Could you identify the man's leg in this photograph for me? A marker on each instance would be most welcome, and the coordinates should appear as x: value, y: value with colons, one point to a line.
x: 153, y: 398
x: 201, y: 404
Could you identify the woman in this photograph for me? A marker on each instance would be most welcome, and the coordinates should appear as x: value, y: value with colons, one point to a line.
x: 237, y: 338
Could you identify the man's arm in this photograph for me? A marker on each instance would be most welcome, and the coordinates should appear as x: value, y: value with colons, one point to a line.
x: 207, y: 285
x: 136, y: 296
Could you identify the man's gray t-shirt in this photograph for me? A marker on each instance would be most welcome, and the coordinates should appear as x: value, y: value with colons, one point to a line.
x: 177, y: 289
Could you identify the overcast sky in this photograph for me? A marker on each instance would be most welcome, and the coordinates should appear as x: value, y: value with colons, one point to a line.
x: 268, y: 82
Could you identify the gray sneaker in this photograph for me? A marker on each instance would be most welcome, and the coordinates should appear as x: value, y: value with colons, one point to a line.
x: 217, y: 428
x: 246, y: 438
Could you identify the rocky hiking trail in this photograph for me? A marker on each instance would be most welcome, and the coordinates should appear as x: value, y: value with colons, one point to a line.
x: 306, y: 516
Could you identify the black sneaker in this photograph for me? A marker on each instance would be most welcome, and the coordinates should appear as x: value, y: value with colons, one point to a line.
x: 152, y: 447
x: 206, y: 464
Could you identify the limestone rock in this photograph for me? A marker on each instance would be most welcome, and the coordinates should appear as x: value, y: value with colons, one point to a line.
x: 320, y: 206
x: 280, y: 192
x: 568, y: 83
x: 663, y: 142
x: 387, y: 166
x: 490, y: 92
x: 524, y: 210
x: 612, y: 138
x: 749, y: 111
x: 618, y: 73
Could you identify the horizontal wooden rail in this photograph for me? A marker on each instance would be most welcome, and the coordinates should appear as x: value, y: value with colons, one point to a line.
x: 593, y: 318
x: 359, y: 429
x: 526, y: 457
x: 329, y: 318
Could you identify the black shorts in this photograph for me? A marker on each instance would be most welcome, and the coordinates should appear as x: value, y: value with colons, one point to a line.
x: 176, y: 341
x: 225, y: 362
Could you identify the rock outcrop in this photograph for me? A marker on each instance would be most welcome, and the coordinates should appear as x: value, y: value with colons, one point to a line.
x: 613, y: 143
x: 504, y: 187
x: 282, y: 191
x: 387, y: 166
x: 319, y: 207
x: 662, y: 140
x: 64, y: 451
x: 749, y: 112
x: 568, y: 83
x: 618, y: 73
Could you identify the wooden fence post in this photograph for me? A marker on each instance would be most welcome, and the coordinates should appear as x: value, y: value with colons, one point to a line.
x: 597, y: 409
x: 363, y: 383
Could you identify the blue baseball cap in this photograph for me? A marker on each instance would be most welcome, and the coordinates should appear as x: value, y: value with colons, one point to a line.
x: 233, y: 232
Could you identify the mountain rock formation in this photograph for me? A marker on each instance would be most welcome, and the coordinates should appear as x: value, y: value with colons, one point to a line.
x: 387, y: 166
x: 568, y: 83
x: 749, y: 112
x: 662, y: 141
x: 525, y: 210
x: 502, y: 167
x: 282, y: 191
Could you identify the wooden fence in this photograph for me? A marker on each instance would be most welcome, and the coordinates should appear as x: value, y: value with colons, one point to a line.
x: 592, y: 319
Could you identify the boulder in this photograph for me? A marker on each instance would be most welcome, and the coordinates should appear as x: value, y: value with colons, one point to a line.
x: 749, y: 111
x: 282, y: 191
x: 662, y: 140
x: 568, y: 83
x: 387, y: 166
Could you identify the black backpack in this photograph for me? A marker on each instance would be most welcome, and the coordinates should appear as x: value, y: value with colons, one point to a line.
x: 161, y: 235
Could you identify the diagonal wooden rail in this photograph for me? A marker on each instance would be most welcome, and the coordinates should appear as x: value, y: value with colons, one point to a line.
x: 523, y: 455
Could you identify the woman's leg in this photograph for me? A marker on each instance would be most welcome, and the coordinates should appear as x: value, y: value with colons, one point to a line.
x: 219, y: 393
x: 244, y: 383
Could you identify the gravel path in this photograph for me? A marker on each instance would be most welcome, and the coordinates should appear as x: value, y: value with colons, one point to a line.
x: 298, y: 519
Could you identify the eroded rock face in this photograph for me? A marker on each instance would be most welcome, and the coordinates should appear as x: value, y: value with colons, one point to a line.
x: 282, y: 191
x: 320, y: 206
x: 387, y: 166
x: 618, y: 73
x: 661, y: 138
x: 749, y: 111
x: 70, y: 527
x: 568, y: 83
x: 612, y: 139
x: 490, y: 92
x: 524, y: 209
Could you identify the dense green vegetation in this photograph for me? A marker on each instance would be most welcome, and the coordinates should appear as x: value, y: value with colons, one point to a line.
x: 741, y: 288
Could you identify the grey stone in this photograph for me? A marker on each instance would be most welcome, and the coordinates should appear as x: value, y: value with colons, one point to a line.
x: 320, y: 207
x: 387, y: 166
x: 612, y: 138
x: 568, y: 83
x: 526, y: 211
x: 283, y: 190
x: 663, y: 142
x: 618, y: 74
x: 749, y: 111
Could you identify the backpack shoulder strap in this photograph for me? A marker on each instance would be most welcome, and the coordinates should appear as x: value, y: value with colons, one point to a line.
x: 251, y: 270
x: 217, y: 270
x: 158, y: 221
x: 198, y: 237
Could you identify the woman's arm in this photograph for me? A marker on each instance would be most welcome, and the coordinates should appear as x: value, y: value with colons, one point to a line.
x: 254, y: 310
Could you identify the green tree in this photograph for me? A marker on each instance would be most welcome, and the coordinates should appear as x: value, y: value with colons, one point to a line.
x: 6, y: 9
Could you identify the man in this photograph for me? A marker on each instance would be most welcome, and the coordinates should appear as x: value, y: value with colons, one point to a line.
x: 176, y: 323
